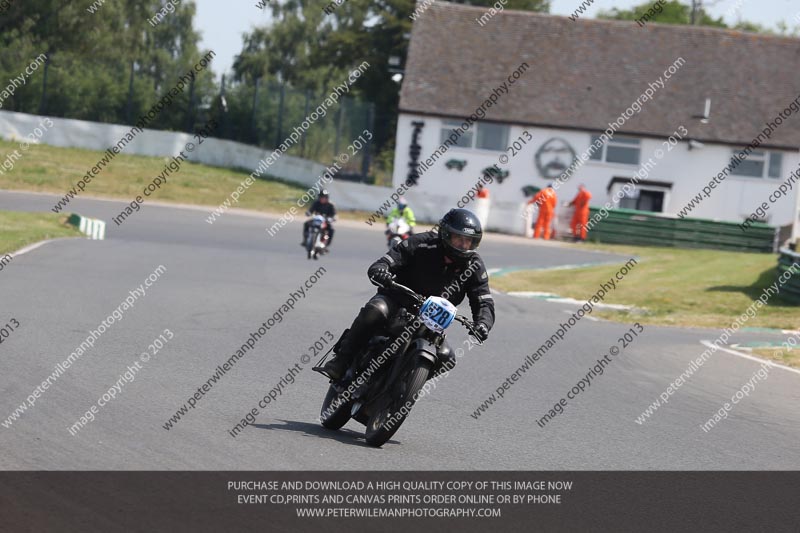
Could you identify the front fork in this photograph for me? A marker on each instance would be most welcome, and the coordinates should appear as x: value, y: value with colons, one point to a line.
x: 420, y: 348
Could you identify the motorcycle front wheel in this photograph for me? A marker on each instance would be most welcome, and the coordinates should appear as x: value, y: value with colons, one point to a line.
x: 311, y: 241
x: 335, y: 411
x: 385, y: 422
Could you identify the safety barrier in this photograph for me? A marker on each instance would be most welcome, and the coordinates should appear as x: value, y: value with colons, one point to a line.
x: 790, y: 290
x: 629, y: 226
x: 70, y: 133
x: 93, y: 228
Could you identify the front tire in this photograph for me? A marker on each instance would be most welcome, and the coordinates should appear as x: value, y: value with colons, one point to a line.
x: 311, y: 240
x: 378, y: 432
x: 334, y: 417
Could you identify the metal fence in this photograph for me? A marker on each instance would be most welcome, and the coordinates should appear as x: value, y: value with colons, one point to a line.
x: 263, y: 113
x: 790, y: 290
x: 266, y: 114
x: 629, y: 226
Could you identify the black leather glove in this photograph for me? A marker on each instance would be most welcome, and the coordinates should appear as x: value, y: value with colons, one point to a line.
x: 481, y: 331
x: 382, y: 276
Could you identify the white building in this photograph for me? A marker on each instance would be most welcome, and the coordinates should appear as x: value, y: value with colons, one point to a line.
x: 711, y: 90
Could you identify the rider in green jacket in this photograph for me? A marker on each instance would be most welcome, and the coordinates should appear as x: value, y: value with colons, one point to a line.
x: 402, y: 211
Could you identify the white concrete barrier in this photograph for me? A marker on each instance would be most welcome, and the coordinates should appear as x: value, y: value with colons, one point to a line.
x: 93, y: 228
x: 70, y: 133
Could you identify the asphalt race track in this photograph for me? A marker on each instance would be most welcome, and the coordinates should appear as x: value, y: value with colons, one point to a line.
x: 223, y: 280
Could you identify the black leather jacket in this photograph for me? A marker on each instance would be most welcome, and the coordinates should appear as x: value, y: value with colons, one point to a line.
x: 419, y: 264
x: 326, y: 210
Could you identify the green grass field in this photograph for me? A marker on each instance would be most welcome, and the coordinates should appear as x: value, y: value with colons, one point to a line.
x: 20, y: 229
x: 55, y: 170
x: 677, y: 287
x: 790, y: 357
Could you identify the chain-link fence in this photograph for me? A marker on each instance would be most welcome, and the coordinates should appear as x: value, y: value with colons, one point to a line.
x: 263, y: 113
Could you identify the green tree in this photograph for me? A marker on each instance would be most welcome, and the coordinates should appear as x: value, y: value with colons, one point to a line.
x: 673, y: 12
x: 521, y: 5
x: 91, y: 56
x: 309, y: 49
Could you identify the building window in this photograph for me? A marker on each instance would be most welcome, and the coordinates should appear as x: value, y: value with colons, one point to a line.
x: 643, y: 196
x: 759, y: 164
x: 643, y: 200
x: 483, y: 136
x: 492, y: 137
x: 449, y: 126
x: 775, y: 164
x: 623, y: 150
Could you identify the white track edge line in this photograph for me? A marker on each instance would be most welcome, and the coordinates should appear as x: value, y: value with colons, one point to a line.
x: 734, y: 352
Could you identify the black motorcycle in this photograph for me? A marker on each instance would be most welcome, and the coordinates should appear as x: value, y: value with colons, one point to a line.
x: 383, y: 382
x: 317, y: 238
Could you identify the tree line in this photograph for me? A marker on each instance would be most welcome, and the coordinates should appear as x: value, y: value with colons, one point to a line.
x: 111, y: 65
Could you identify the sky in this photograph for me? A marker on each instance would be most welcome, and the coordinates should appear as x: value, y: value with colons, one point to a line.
x: 222, y: 23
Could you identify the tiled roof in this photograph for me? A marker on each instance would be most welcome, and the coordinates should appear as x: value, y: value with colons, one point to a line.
x: 585, y: 73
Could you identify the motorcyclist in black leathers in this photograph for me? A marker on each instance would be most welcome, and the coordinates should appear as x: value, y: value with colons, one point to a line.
x: 434, y: 263
x: 323, y: 206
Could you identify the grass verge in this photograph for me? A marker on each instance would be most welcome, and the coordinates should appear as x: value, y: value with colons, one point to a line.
x: 675, y: 287
x: 20, y: 229
x: 779, y: 354
x: 52, y: 169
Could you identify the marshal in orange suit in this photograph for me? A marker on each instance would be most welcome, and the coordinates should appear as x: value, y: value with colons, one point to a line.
x: 581, y: 216
x: 546, y: 200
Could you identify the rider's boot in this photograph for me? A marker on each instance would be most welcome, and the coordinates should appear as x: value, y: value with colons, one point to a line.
x: 346, y: 349
x: 371, y: 318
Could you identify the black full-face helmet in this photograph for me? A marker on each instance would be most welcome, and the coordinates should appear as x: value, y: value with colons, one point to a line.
x: 324, y: 194
x: 460, y: 233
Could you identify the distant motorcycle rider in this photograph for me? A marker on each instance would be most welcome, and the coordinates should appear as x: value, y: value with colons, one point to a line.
x: 321, y: 206
x: 434, y: 263
x: 402, y: 211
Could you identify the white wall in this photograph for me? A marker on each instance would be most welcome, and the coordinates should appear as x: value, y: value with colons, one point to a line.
x: 439, y: 188
x: 687, y: 170
x: 70, y: 133
x: 217, y: 152
x: 347, y: 195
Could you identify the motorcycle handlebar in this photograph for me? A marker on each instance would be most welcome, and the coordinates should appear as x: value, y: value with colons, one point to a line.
x: 402, y: 288
x: 466, y: 322
x: 329, y: 219
x: 470, y: 325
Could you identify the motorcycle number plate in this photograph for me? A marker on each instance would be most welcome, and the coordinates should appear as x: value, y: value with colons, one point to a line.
x: 437, y: 313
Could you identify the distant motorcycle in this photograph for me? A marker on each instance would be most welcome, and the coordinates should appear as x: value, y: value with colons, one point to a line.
x: 398, y: 231
x: 384, y: 380
x: 318, y: 237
